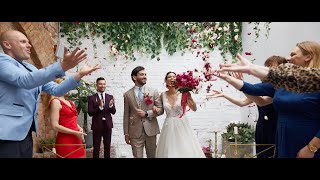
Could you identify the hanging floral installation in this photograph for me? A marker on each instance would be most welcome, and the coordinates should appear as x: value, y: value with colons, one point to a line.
x: 150, y: 37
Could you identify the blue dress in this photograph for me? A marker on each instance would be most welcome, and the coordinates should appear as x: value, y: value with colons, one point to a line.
x: 298, y: 117
x: 266, y: 131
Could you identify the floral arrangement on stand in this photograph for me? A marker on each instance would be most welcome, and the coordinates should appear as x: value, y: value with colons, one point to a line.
x: 245, y: 133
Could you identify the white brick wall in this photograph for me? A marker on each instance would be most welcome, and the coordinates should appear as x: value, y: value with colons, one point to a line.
x: 212, y: 113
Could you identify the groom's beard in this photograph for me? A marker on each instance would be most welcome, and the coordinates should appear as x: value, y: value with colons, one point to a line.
x: 142, y: 81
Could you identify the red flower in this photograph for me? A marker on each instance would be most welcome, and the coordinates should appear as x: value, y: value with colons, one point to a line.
x: 147, y: 99
x: 207, y: 66
x: 248, y: 53
x: 206, y: 149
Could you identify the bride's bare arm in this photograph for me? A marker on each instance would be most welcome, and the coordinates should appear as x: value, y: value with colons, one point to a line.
x: 191, y: 103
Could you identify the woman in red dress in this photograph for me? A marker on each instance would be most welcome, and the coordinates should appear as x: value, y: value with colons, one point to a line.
x: 63, y: 116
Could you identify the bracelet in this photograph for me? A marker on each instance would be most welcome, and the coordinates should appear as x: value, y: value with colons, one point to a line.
x: 312, y: 148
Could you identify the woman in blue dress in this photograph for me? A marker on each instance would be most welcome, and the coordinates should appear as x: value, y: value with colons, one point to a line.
x: 265, y: 131
x: 298, y: 128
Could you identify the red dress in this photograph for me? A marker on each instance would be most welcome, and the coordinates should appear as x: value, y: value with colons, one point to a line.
x: 65, y: 143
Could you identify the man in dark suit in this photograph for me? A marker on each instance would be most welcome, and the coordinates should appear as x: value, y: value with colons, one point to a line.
x: 100, y: 107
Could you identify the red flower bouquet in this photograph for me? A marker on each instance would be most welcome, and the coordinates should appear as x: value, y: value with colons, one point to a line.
x: 185, y: 83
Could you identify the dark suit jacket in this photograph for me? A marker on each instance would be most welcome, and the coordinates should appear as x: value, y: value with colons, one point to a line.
x: 97, y: 114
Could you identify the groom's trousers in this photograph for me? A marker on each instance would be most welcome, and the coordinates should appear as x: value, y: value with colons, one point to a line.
x: 137, y: 145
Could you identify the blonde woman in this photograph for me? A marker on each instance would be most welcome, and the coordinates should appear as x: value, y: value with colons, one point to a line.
x: 289, y: 76
x: 298, y: 129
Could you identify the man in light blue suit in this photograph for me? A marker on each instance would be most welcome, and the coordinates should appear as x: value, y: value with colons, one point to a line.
x: 20, y: 86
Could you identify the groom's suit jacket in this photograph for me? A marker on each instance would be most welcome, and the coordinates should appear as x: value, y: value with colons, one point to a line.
x: 19, y: 94
x: 134, y: 124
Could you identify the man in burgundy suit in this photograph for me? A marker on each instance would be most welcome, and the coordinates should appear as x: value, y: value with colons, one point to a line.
x: 100, y: 107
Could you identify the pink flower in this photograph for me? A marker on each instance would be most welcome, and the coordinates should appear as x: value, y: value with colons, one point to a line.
x: 206, y: 149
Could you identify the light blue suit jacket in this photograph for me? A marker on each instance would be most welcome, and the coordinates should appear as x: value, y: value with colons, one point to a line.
x: 19, y: 94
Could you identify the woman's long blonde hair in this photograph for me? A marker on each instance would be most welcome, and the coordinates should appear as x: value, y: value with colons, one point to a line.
x: 311, y: 48
x: 49, y: 97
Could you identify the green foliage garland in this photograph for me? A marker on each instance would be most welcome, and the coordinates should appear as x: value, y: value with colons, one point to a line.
x: 149, y: 37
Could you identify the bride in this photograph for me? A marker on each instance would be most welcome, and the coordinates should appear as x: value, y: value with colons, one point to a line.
x: 177, y: 139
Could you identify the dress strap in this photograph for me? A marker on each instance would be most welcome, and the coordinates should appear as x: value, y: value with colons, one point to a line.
x: 164, y: 96
x: 53, y: 99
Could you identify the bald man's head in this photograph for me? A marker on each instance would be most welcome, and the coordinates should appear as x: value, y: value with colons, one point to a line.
x: 7, y: 35
x: 15, y: 44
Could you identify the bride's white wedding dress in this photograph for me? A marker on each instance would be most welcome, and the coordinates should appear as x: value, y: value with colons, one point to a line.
x: 177, y: 139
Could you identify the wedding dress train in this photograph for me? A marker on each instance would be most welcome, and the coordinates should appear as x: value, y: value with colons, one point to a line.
x: 177, y: 139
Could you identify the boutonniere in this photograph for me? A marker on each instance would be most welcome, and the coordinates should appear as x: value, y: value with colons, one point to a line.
x: 147, y: 98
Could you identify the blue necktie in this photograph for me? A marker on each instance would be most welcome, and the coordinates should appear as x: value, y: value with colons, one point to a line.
x: 140, y: 95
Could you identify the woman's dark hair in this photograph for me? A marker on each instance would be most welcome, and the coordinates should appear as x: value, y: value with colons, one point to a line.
x: 166, y: 77
x: 135, y: 71
x: 275, y: 60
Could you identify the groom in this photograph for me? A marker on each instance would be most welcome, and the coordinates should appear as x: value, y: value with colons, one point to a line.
x: 140, y: 124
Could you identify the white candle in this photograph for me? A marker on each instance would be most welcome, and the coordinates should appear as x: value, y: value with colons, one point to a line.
x: 225, y: 131
x: 235, y: 130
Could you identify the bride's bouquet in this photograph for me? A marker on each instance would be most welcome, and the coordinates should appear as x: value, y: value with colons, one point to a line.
x: 185, y: 83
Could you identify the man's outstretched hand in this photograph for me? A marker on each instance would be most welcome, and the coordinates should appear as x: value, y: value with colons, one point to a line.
x: 72, y: 59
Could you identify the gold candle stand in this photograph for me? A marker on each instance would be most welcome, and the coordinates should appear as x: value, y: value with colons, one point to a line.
x: 215, y: 145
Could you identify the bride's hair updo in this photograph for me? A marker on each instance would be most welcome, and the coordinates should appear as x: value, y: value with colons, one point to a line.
x: 166, y: 77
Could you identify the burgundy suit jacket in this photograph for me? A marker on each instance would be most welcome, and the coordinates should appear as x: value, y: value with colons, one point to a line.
x: 97, y: 114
